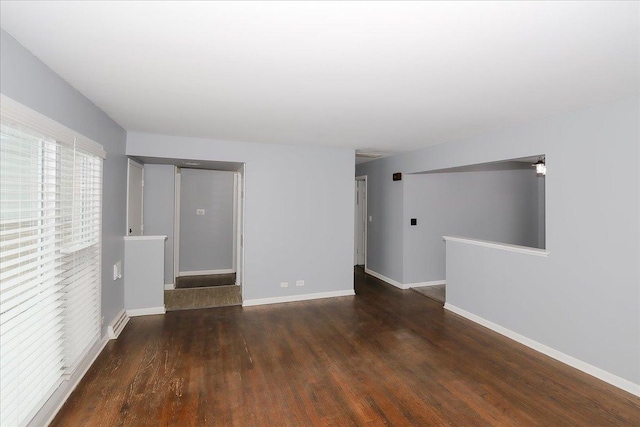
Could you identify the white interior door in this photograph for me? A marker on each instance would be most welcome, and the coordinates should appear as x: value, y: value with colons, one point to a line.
x: 135, y: 184
x: 360, y: 222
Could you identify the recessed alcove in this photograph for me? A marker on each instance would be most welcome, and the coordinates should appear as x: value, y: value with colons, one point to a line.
x: 502, y: 202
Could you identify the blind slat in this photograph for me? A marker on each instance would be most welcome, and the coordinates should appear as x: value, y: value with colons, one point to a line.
x: 29, y: 275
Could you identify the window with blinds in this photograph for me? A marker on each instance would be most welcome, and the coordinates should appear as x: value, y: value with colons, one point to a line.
x: 50, y: 228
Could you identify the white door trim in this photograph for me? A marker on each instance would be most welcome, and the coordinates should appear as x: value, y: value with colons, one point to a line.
x: 366, y: 215
x: 176, y: 224
x: 141, y: 166
x: 239, y: 227
x: 234, y: 250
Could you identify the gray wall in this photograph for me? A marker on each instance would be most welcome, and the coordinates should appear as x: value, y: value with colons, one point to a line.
x: 158, y: 210
x: 144, y: 287
x: 298, y: 210
x: 27, y: 80
x: 496, y: 205
x: 206, y: 241
x: 586, y: 302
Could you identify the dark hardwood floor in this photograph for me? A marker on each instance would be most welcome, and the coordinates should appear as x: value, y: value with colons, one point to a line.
x: 383, y: 357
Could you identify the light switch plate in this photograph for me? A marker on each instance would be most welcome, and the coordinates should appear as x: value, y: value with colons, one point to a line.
x: 117, y: 270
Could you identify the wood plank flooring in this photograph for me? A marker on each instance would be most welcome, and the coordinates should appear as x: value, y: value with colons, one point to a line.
x: 383, y: 357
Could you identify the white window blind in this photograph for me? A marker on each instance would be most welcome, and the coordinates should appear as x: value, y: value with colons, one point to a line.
x: 50, y: 227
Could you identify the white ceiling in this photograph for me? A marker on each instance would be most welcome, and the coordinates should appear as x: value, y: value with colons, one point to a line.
x: 368, y: 75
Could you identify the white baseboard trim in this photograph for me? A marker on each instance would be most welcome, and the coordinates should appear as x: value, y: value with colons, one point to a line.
x: 601, y: 374
x: 423, y: 284
x: 146, y: 311
x: 206, y: 272
x: 386, y: 279
x: 169, y: 286
x: 292, y: 298
x: 117, y: 324
x: 55, y: 403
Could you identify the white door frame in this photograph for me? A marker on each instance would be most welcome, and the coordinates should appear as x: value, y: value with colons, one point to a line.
x: 238, y: 219
x: 366, y: 215
x: 141, y: 166
x: 234, y: 249
x: 238, y: 224
x: 176, y: 224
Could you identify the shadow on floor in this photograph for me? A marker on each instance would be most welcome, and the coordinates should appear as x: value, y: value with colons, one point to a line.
x: 185, y: 282
x: 436, y: 292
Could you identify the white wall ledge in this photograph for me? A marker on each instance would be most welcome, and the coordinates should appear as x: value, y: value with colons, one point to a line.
x: 145, y: 237
x: 495, y: 245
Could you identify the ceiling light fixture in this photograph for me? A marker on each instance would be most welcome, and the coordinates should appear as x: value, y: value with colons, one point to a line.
x: 541, y: 167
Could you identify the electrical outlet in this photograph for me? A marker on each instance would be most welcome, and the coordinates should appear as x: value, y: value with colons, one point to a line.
x: 284, y: 284
x: 300, y: 283
x: 199, y: 211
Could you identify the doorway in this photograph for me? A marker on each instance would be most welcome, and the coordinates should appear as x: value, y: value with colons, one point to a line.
x: 360, y: 228
x: 208, y: 234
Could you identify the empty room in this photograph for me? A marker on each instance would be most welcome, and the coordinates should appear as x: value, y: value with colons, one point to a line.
x: 319, y: 213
